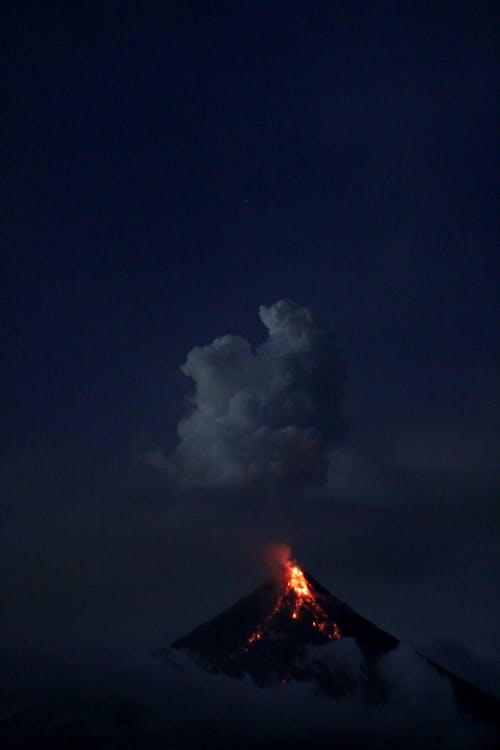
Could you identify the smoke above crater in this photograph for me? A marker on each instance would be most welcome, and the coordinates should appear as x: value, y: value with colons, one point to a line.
x: 263, y: 415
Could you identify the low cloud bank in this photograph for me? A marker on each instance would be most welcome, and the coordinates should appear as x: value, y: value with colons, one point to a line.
x: 418, y: 712
x: 172, y: 703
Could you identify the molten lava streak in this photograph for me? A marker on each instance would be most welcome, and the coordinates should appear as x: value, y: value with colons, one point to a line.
x: 298, y: 599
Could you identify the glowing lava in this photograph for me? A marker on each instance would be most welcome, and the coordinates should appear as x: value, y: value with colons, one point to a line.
x: 297, y: 600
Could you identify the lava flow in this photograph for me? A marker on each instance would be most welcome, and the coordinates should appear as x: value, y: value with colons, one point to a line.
x: 297, y: 600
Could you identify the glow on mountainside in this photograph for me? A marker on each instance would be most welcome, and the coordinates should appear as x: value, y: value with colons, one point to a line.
x: 297, y: 600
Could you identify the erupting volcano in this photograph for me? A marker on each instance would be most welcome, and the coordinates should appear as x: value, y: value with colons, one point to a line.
x: 291, y: 628
x: 269, y: 634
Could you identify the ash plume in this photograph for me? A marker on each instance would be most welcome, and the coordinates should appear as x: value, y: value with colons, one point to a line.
x: 277, y: 556
x: 265, y: 415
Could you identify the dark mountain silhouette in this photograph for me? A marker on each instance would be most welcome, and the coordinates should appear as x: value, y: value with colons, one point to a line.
x: 275, y: 635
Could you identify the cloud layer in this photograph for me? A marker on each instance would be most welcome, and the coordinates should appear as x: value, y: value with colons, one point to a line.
x: 265, y: 415
x: 174, y: 704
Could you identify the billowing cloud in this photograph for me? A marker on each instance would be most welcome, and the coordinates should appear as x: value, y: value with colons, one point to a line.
x: 263, y: 415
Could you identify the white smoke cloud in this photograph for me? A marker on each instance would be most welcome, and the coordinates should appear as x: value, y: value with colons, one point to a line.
x: 264, y: 415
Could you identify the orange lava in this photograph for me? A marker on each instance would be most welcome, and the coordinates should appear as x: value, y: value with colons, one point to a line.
x: 299, y: 594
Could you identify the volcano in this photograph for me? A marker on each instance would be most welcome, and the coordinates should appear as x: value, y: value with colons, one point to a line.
x: 282, y: 631
x: 291, y: 666
x: 269, y: 634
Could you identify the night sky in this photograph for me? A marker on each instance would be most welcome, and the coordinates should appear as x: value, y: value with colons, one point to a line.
x: 167, y: 172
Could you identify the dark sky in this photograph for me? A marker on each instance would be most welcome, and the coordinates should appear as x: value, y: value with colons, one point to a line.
x: 165, y: 173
